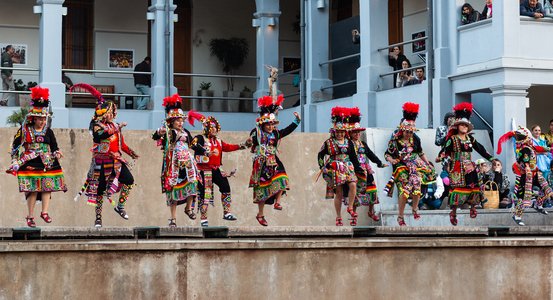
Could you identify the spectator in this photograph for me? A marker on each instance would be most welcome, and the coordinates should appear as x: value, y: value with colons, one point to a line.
x: 531, y: 8
x: 548, y: 9
x: 419, y: 77
x: 543, y: 157
x: 487, y: 11
x: 549, y: 136
x: 441, y: 131
x: 395, y: 58
x: 7, y: 78
x: 404, y: 77
x: 496, y: 175
x: 469, y: 14
x: 432, y: 198
x: 142, y: 82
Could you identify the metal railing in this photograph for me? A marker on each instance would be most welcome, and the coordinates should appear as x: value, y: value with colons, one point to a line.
x: 424, y: 38
x: 403, y: 70
x: 476, y: 113
x: 339, y: 59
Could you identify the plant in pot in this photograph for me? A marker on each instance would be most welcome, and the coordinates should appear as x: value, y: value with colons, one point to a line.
x: 232, y: 54
x: 203, y: 104
x: 246, y: 105
x: 24, y: 99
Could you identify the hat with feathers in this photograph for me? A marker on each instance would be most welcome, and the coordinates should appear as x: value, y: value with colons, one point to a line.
x: 173, y: 110
x: 410, y: 114
x: 268, y: 109
x: 355, y: 120
x: 340, y: 118
x: 40, y: 101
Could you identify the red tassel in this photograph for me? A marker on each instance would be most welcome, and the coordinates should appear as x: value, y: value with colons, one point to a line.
x: 503, y: 139
x: 265, y: 101
x: 194, y: 116
x: 411, y: 107
x: 466, y: 106
x: 94, y: 92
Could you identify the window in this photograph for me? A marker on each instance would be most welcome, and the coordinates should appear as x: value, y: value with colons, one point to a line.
x: 77, y: 34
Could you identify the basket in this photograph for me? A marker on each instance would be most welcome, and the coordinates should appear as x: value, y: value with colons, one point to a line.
x: 491, y: 195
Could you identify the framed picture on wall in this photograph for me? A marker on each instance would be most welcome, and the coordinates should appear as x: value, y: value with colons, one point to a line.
x: 121, y: 59
x: 419, y: 46
x: 19, y: 56
x: 291, y: 64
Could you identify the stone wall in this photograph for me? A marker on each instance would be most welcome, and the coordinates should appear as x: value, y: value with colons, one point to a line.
x: 304, y: 204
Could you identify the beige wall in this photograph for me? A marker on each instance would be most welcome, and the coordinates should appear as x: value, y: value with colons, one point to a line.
x: 376, y: 268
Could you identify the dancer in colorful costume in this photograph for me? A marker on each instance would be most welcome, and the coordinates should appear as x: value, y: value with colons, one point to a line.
x: 528, y: 176
x: 179, y: 173
x: 269, y: 179
x: 411, y: 168
x: 35, y: 157
x: 463, y: 175
x: 367, y: 194
x: 338, y: 162
x: 109, y: 172
x: 208, y: 151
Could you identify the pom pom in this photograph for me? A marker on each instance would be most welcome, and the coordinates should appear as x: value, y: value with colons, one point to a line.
x: 464, y: 106
x: 172, y: 101
x: 265, y: 101
x: 40, y: 93
x: 339, y: 111
x: 411, y: 107
x: 355, y: 112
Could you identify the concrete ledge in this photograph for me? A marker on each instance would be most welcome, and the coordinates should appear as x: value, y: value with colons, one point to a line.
x: 531, y: 230
x: 87, y: 232
x: 417, y: 231
x: 181, y: 232
x: 290, y: 231
x: 6, y: 232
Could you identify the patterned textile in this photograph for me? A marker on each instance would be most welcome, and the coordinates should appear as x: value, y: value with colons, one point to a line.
x: 124, y: 195
x: 338, y: 169
x: 366, y: 187
x: 41, y: 181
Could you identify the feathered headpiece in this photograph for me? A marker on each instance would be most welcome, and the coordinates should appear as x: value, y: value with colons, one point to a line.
x: 102, y: 106
x: 410, y: 114
x: 340, y: 118
x: 355, y: 119
x: 40, y: 101
x: 268, y: 109
x: 462, y: 112
x: 210, y: 122
x: 173, y: 110
x: 521, y: 135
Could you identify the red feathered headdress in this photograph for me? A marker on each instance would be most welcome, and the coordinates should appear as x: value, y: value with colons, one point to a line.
x: 410, y: 111
x: 463, y: 110
x: 38, y: 93
x: 340, y: 117
x: 172, y: 102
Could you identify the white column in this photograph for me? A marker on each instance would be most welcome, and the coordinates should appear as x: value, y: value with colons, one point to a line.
x: 162, y: 56
x: 50, y: 50
x: 266, y: 22
x: 374, y: 35
x: 316, y: 51
x: 509, y: 107
x: 506, y: 24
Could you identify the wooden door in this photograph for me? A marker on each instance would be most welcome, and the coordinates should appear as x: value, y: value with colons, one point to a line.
x: 395, y: 21
x: 183, y: 48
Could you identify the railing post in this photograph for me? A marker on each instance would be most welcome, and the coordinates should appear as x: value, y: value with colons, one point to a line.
x: 51, y: 12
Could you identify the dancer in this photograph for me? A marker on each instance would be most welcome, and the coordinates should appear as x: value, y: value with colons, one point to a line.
x: 338, y: 162
x: 179, y: 173
x: 35, y: 157
x: 367, y: 194
x: 411, y: 168
x: 528, y: 176
x: 109, y: 172
x: 269, y: 179
x: 462, y: 172
x: 208, y: 151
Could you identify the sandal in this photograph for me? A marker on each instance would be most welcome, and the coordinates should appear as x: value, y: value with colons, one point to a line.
x: 339, y: 222
x: 261, y: 220
x: 374, y: 216
x: 453, y: 218
x: 277, y: 206
x: 98, y: 223
x: 229, y: 217
x: 46, y: 217
x: 416, y: 215
x: 30, y: 222
x: 353, y: 222
x: 190, y: 214
x: 172, y: 223
x: 121, y: 212
x: 351, y: 212
x: 204, y: 223
x: 473, y: 212
x: 401, y: 221
x: 518, y: 220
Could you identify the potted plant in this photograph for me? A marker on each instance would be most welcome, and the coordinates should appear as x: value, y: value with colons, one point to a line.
x: 24, y: 99
x: 17, y: 117
x: 232, y: 54
x: 246, y: 105
x: 203, y: 104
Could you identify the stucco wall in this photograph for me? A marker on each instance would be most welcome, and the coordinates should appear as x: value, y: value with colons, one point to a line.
x: 304, y: 204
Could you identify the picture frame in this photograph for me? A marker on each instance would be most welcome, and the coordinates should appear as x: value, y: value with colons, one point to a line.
x: 121, y: 59
x: 20, y: 55
x: 291, y: 63
x: 419, y: 46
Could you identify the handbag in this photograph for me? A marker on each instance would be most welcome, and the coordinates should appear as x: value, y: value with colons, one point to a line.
x: 491, y: 195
